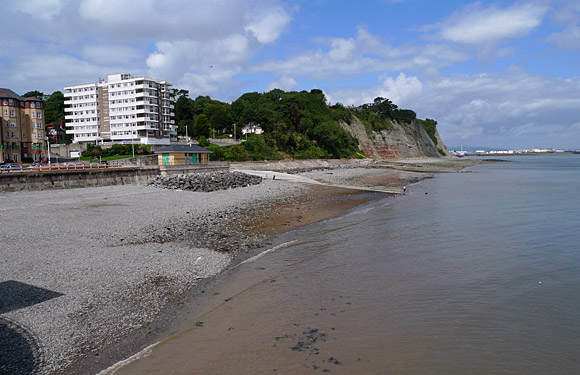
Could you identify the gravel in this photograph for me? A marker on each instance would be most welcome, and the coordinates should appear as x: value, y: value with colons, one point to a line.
x: 81, y: 268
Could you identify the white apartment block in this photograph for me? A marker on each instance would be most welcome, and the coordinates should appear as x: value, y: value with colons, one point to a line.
x: 122, y: 109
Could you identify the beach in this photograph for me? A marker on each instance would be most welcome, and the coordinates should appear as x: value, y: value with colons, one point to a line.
x: 90, y: 276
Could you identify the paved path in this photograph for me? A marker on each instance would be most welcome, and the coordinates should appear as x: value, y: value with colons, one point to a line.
x: 302, y: 179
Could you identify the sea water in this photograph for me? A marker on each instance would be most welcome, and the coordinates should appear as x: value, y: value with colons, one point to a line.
x: 468, y: 273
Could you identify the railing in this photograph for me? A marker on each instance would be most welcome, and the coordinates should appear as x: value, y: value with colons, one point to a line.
x: 65, y: 167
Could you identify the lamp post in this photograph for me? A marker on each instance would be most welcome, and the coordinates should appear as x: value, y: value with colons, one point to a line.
x: 48, y: 149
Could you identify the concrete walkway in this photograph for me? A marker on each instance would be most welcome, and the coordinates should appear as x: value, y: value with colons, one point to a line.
x: 271, y: 175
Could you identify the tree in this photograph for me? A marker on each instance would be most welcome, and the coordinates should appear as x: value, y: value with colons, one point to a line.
x: 34, y: 94
x: 183, y: 109
x: 186, y: 127
x: 222, y: 122
x: 202, y: 126
x: 54, y: 108
x: 384, y: 106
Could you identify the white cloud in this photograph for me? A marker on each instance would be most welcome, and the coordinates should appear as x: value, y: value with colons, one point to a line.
x: 284, y: 83
x: 479, y: 26
x: 486, y: 28
x: 266, y: 24
x: 363, y: 54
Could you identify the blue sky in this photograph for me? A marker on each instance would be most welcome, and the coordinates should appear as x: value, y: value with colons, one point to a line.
x: 492, y: 73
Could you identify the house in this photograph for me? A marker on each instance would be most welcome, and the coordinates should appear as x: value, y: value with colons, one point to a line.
x: 252, y: 128
x: 121, y: 110
x: 22, y: 136
x: 183, y: 155
x: 56, y: 132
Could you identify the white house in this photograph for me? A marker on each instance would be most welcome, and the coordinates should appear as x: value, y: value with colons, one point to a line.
x: 252, y: 128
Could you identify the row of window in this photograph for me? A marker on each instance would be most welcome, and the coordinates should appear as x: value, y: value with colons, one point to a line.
x: 86, y: 127
x: 12, y: 113
x: 123, y: 117
x: 122, y: 101
x: 12, y: 124
x: 84, y: 89
x: 88, y: 112
x: 86, y: 135
x: 35, y: 135
x: 94, y: 119
x: 124, y: 133
x: 83, y: 97
x: 124, y: 92
x: 123, y: 109
x: 82, y: 105
x: 124, y: 125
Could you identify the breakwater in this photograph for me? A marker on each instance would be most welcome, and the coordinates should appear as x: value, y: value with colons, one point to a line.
x: 205, y: 182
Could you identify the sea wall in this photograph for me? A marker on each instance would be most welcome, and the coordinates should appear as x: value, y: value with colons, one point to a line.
x: 63, y: 179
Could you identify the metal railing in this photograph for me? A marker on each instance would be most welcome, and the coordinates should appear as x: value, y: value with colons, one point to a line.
x: 65, y: 167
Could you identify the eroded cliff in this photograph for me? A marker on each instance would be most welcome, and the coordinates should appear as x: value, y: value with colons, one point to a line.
x: 401, y: 140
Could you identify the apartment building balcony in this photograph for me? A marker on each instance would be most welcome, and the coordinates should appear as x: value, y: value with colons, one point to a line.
x: 78, y: 130
x: 90, y: 138
x: 80, y: 101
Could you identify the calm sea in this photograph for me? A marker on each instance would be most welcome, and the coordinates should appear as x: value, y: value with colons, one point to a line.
x: 469, y: 273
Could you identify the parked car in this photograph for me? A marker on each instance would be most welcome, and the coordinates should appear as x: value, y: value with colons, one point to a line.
x: 9, y: 166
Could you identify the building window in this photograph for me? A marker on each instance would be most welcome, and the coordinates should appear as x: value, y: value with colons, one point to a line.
x: 12, y: 124
x: 12, y: 113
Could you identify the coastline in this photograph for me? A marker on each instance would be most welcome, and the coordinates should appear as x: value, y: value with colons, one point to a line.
x: 159, y: 264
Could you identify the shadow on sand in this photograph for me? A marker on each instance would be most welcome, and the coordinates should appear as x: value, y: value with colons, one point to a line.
x: 20, y: 350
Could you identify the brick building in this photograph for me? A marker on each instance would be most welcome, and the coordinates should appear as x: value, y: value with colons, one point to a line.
x: 22, y: 121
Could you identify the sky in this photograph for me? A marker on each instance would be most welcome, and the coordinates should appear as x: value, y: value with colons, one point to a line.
x: 491, y: 73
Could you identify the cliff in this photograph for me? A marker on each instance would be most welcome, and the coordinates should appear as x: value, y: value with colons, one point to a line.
x: 401, y: 140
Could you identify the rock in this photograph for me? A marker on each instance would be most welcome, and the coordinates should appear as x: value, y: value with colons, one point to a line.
x: 205, y: 182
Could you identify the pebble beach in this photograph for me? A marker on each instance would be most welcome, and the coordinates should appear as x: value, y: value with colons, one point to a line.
x: 85, y: 272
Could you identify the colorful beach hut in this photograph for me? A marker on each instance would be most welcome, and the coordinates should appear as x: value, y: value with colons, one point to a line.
x: 183, y: 155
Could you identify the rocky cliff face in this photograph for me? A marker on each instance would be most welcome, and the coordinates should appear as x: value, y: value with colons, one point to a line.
x: 400, y: 141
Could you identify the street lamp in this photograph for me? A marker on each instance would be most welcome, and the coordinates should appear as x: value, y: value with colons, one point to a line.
x: 48, y: 149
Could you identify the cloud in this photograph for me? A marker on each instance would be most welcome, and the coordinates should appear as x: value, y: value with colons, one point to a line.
x: 111, y: 54
x: 569, y: 38
x: 37, y: 9
x: 284, y: 83
x: 511, y: 109
x: 364, y: 53
x: 486, y: 28
x: 191, y: 42
x: 481, y: 26
x: 266, y: 24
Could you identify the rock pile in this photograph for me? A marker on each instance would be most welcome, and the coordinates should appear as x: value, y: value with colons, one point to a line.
x: 205, y: 182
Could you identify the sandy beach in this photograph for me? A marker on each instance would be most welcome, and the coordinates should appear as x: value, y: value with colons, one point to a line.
x: 90, y: 276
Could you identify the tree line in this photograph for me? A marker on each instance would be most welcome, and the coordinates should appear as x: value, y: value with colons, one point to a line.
x: 296, y: 124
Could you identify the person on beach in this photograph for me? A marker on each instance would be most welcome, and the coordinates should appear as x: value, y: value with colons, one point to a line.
x: 405, y: 189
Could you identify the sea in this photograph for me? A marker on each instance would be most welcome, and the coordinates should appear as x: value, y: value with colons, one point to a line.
x: 468, y: 273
